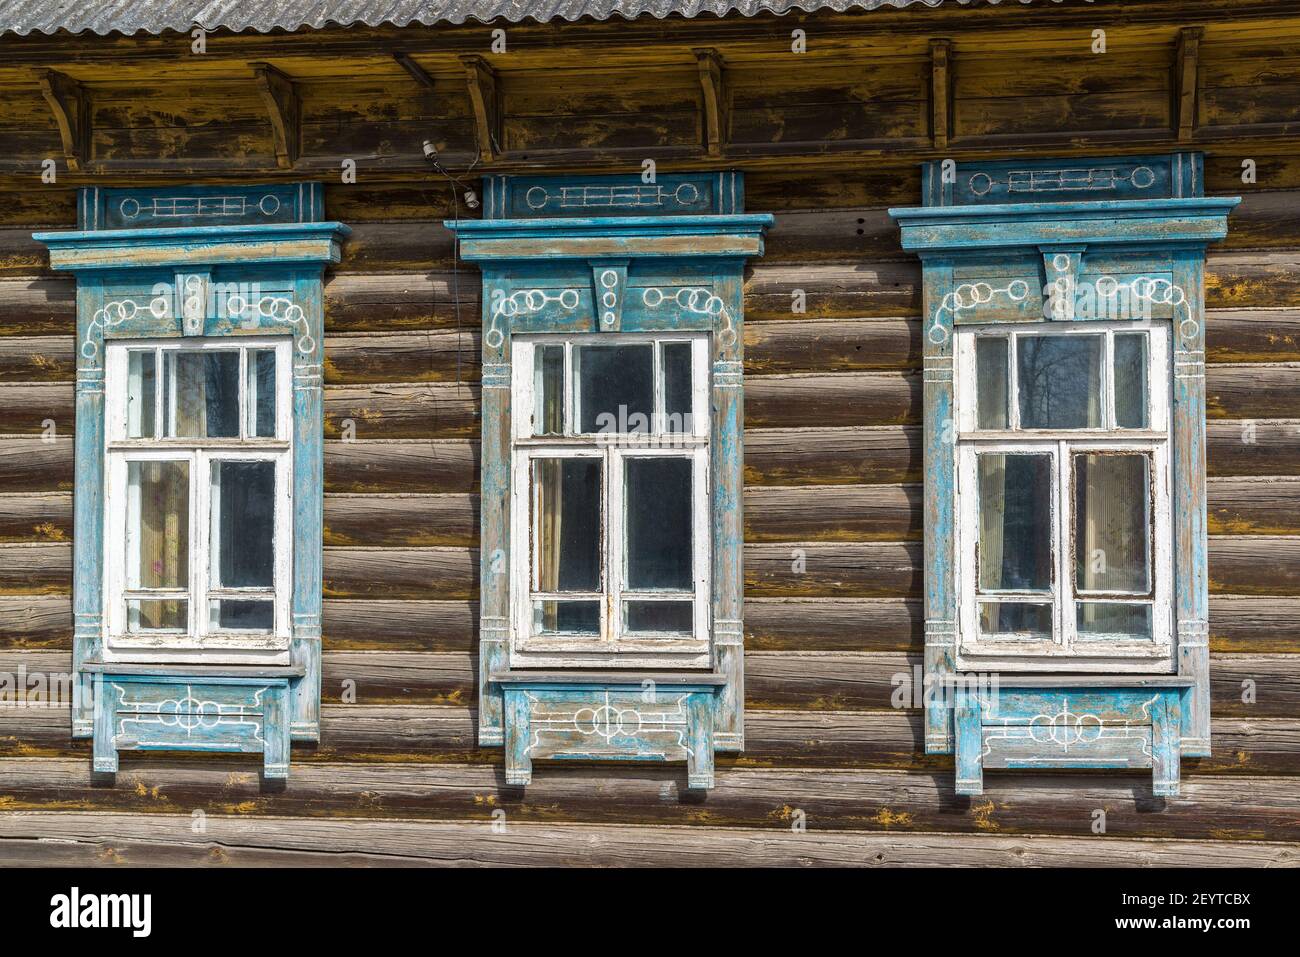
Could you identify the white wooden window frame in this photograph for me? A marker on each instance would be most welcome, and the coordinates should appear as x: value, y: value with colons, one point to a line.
x: 1066, y: 652
x: 198, y: 642
x: 614, y: 647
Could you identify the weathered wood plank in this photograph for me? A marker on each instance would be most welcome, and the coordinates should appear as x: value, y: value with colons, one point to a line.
x: 772, y: 457
x: 1237, y: 624
x: 810, y: 345
x: 36, y: 621
x: 413, y: 733
x: 807, y: 681
x: 35, y: 516
x: 1230, y: 809
x: 82, y: 839
x: 866, y: 569
x: 35, y: 569
x: 854, y: 399
x: 394, y: 465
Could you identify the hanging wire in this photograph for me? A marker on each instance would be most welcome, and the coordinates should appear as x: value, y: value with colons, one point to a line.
x: 456, y: 188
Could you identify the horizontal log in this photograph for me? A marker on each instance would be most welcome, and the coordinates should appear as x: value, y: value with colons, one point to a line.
x: 35, y: 569
x: 801, y: 513
x: 36, y: 464
x: 783, y: 457
x: 434, y: 572
x: 1255, y: 565
x: 388, y: 302
x: 772, y: 457
x: 793, y: 569
x: 36, y: 358
x: 1247, y: 686
x: 450, y: 518
x: 35, y: 516
x: 865, y: 398
x: 1263, y: 220
x: 87, y: 839
x: 38, y: 307
x: 1237, y: 624
x: 905, y: 803
x: 809, y: 345
x: 438, y: 733
x: 396, y: 465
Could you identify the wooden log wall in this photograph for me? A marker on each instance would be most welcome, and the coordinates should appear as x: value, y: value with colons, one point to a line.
x: 829, y: 140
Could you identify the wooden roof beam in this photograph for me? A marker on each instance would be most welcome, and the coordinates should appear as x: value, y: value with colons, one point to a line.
x: 285, y: 109
x: 418, y: 73
x: 484, y: 97
x: 70, y: 104
x: 710, y: 65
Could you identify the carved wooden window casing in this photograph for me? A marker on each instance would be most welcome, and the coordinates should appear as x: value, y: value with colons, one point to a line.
x: 197, y: 552
x: 611, y: 589
x: 1064, y: 394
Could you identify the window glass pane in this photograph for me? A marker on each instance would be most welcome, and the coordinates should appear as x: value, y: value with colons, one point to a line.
x: 1112, y: 527
x: 260, y: 401
x: 141, y: 393
x: 227, y: 614
x: 148, y: 614
x: 616, y: 387
x: 674, y: 617
x: 991, y: 383
x: 548, y: 387
x: 1002, y: 619
x: 566, y: 617
x: 243, y: 524
x: 202, y: 394
x: 658, y: 522
x: 1015, y: 546
x: 567, y: 524
x: 1131, y: 380
x: 1059, y: 380
x: 677, y: 387
x: 1100, y: 619
x: 158, y: 525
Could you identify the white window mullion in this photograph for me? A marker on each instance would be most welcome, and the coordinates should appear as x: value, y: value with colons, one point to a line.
x: 1013, y: 382
x: 1107, y: 396
x: 615, y: 546
x: 200, y: 532
x: 1066, y: 546
x: 702, y: 542
x: 243, y: 408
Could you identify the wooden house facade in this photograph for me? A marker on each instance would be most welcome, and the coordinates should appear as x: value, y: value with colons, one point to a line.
x: 415, y: 126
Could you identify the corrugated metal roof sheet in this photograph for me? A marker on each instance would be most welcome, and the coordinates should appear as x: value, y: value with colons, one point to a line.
x: 262, y: 16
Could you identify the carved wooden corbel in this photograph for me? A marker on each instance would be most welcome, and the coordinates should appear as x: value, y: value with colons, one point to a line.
x: 940, y: 92
x: 1189, y: 42
x: 286, y: 112
x: 715, y: 101
x: 71, y: 107
x: 483, y: 96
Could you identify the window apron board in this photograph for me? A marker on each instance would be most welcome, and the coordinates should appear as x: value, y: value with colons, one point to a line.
x: 1064, y: 493
x: 197, y: 584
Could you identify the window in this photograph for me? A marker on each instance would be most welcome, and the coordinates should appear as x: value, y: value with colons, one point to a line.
x: 199, y: 499
x: 611, y: 605
x: 197, y: 522
x: 1063, y: 495
x: 610, y: 491
x: 1066, y: 588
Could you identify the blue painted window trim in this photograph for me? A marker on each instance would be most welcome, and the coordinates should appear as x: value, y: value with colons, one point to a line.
x: 268, y: 234
x: 1047, y: 221
x: 562, y: 234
